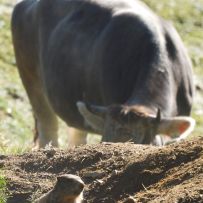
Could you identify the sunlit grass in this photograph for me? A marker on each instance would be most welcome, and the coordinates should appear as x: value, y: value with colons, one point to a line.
x: 3, y: 194
x: 15, y: 114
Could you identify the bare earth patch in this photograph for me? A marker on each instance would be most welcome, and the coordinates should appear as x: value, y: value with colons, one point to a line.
x: 112, y: 172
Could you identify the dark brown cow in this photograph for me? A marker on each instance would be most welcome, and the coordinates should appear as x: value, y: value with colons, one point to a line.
x: 124, y: 61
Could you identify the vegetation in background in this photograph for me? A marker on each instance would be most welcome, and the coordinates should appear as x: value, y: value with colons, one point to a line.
x: 16, y: 122
x: 15, y: 116
x: 3, y: 195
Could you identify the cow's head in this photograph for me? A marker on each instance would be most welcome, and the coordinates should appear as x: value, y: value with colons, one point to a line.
x: 137, y: 124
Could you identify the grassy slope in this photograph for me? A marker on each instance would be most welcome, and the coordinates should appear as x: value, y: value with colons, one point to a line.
x: 15, y: 127
x: 3, y: 194
x: 15, y: 114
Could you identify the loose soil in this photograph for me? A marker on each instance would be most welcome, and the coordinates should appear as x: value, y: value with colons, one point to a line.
x: 112, y: 172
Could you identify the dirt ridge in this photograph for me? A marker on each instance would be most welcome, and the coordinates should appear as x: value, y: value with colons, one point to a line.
x: 112, y: 172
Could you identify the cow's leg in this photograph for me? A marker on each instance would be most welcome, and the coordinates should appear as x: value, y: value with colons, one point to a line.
x: 45, y: 118
x: 46, y: 123
x: 77, y: 137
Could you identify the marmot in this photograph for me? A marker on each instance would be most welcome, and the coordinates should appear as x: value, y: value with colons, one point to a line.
x: 68, y: 189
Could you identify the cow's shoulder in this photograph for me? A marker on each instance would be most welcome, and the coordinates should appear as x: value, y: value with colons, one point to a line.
x: 24, y: 18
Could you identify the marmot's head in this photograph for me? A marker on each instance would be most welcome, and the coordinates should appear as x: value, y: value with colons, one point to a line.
x: 69, y: 186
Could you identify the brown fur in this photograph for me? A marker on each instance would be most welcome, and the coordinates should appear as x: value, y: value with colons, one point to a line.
x: 130, y: 113
x: 68, y: 189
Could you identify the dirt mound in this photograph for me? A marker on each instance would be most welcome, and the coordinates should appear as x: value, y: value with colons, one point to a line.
x: 112, y: 172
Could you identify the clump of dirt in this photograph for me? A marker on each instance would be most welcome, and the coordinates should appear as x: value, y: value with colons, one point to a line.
x: 112, y: 172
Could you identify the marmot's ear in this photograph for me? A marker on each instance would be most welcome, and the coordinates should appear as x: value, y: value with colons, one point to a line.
x: 61, y: 178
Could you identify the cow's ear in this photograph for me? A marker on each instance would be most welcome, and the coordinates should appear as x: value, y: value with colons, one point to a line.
x: 93, y: 115
x: 176, y: 127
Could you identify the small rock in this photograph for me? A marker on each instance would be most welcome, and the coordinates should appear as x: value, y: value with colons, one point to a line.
x: 100, y: 181
x: 115, y: 172
x: 94, y: 175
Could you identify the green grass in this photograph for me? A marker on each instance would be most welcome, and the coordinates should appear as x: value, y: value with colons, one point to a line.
x: 3, y: 194
x: 16, y: 121
x: 15, y: 131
